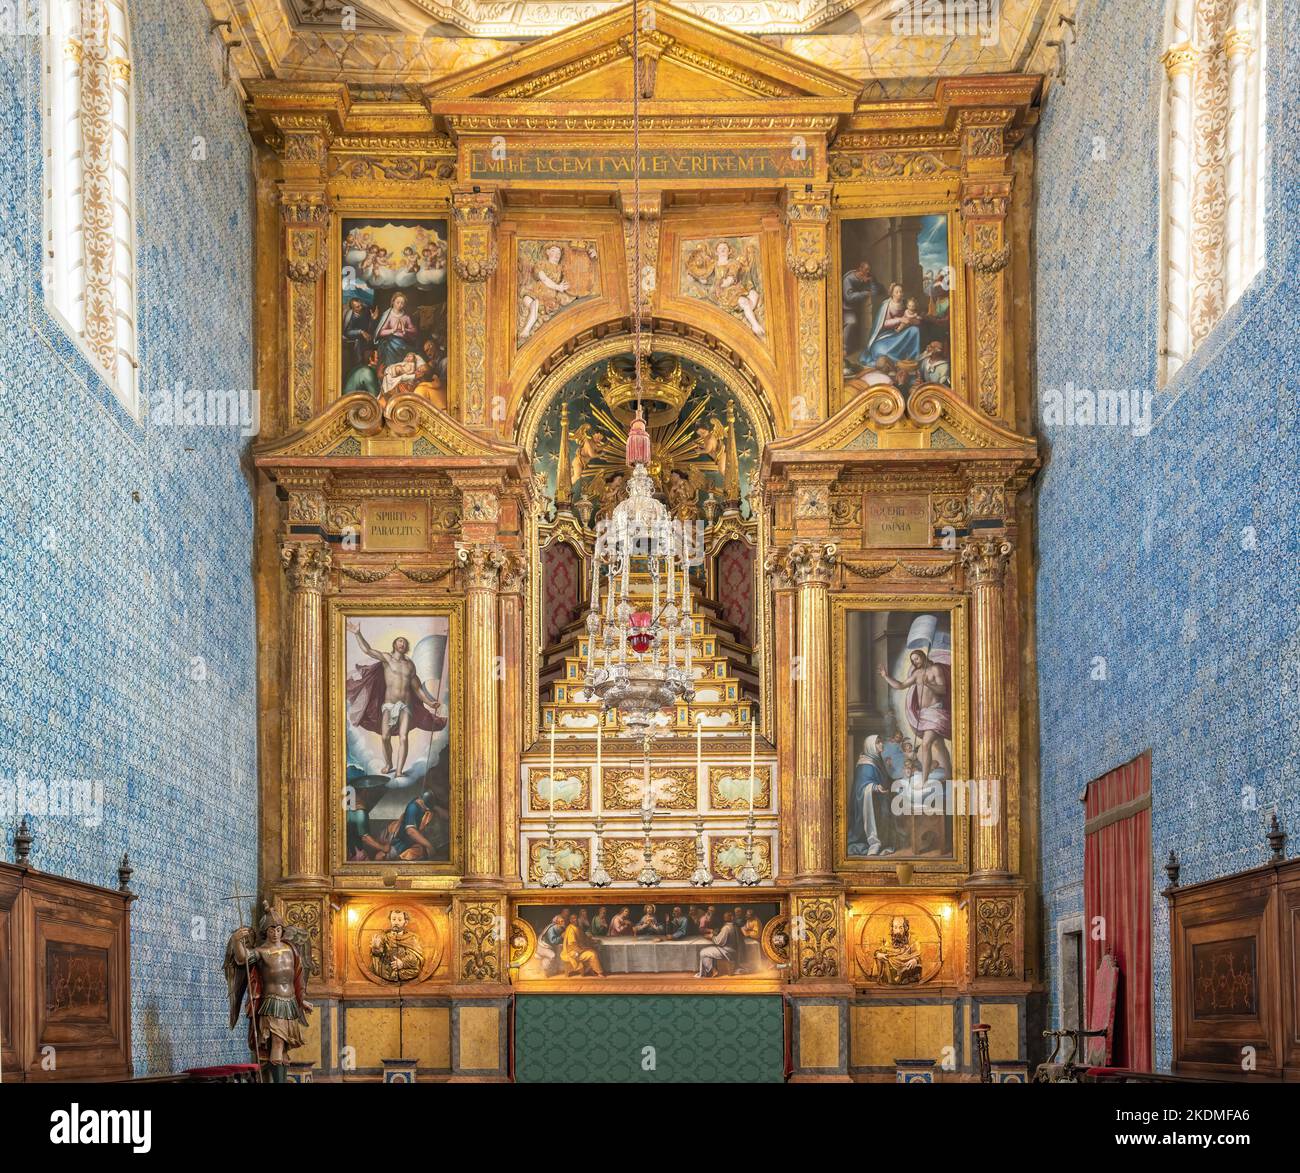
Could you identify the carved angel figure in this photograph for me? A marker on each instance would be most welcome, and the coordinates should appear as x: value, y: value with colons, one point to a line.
x: 730, y: 281
x: 270, y: 974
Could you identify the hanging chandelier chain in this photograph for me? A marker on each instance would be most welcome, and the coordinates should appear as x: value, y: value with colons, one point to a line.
x: 636, y: 199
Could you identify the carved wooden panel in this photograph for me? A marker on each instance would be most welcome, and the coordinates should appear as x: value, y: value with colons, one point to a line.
x: 1235, y: 972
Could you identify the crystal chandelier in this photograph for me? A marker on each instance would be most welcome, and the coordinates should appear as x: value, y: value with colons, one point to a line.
x: 639, y: 631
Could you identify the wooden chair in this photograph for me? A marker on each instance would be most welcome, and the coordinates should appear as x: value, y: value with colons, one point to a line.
x: 1092, y: 1047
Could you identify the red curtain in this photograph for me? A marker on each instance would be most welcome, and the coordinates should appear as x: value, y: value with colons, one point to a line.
x: 1117, y: 899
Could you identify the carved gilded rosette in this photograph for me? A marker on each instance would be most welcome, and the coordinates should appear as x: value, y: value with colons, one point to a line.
x: 985, y: 561
x: 474, y: 257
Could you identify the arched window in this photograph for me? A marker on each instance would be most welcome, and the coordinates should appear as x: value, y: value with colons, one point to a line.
x: 90, y: 224
x: 1214, y: 177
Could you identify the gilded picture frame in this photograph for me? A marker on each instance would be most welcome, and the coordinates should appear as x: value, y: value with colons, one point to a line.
x: 851, y: 207
x: 340, y: 613
x: 954, y: 607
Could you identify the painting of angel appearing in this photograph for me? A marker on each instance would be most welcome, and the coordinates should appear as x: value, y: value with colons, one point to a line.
x: 895, y: 301
x: 398, y: 779
x: 727, y: 272
x: 900, y: 730
x: 394, y: 315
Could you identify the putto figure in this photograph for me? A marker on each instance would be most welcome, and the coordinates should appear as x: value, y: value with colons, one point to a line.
x: 270, y: 973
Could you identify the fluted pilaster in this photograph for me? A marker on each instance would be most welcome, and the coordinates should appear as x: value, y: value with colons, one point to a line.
x: 985, y: 561
x: 307, y: 568
x: 481, y: 564
x: 810, y: 566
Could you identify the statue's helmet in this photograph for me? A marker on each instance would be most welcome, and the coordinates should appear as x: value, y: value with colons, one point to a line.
x: 270, y: 919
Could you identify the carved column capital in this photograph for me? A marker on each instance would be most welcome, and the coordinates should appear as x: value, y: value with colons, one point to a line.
x: 306, y: 565
x: 482, y: 564
x: 774, y: 566
x: 514, y: 574
x: 806, y: 214
x: 475, y: 212
x: 303, y: 206
x: 811, y: 563
x: 985, y: 560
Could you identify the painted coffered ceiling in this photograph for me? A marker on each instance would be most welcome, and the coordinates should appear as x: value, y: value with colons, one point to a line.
x: 895, y: 47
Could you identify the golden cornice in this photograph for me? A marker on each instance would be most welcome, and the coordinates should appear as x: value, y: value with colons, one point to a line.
x: 613, y: 119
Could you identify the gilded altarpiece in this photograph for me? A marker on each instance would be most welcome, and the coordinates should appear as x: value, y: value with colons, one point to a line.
x: 421, y: 503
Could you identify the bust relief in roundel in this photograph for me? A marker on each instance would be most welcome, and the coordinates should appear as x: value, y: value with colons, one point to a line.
x: 397, y: 943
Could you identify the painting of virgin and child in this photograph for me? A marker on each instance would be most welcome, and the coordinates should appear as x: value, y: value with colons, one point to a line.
x: 900, y: 735
x: 394, y: 316
x: 895, y: 301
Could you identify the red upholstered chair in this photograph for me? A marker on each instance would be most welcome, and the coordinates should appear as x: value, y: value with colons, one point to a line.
x: 1090, y: 1050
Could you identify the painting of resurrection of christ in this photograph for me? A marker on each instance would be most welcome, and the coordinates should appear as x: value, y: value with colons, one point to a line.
x: 394, y: 318
x: 398, y: 790
x: 899, y: 734
x: 895, y: 300
x: 637, y: 938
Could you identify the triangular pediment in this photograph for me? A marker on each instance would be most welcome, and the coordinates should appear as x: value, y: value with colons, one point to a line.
x: 690, y: 63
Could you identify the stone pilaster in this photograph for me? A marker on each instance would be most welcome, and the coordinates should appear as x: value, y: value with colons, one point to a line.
x: 810, y: 566
x: 806, y: 213
x: 474, y: 256
x: 307, y: 568
x: 481, y: 564
x: 985, y: 560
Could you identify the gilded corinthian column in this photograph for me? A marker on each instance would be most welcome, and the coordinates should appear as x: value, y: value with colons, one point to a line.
x: 985, y: 560
x: 307, y: 568
x: 482, y: 563
x: 810, y: 565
